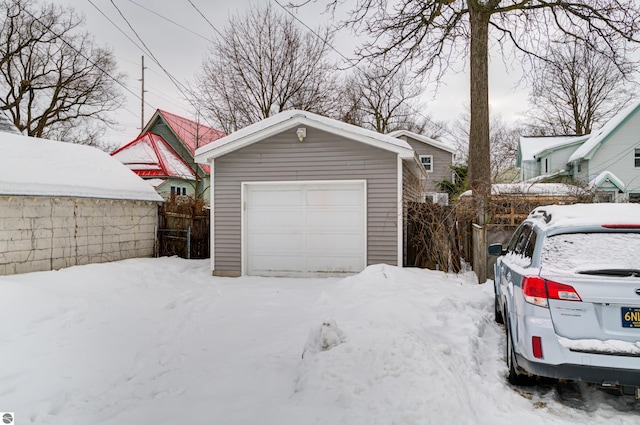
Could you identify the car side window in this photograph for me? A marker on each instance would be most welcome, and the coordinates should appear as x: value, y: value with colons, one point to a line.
x: 531, y: 244
x: 514, y: 239
x: 523, y: 238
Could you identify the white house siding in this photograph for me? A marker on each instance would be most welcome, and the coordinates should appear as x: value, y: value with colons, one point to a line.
x: 321, y: 156
x: 616, y: 154
x: 557, y: 160
x: 44, y: 233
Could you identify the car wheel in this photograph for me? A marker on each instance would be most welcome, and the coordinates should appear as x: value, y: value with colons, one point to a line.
x: 512, y: 375
x: 496, y: 311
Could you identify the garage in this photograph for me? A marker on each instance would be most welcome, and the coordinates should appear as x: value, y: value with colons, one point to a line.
x: 306, y: 228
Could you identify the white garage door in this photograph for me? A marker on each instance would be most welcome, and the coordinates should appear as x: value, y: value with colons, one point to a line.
x: 304, y: 229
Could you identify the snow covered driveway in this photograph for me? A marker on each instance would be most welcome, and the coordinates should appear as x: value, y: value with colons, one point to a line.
x: 160, y: 341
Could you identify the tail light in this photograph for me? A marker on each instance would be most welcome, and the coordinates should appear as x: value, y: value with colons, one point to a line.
x: 538, y: 291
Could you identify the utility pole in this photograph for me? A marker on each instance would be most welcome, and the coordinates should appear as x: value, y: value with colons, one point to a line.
x: 142, y: 98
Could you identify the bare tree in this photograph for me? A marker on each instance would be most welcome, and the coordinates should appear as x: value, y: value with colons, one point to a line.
x: 383, y: 99
x: 577, y: 88
x: 503, y: 141
x: 435, y: 33
x: 262, y: 64
x: 55, y: 82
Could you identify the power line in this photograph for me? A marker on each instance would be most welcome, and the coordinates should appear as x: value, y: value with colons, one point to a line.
x: 58, y: 36
x: 205, y: 18
x: 170, y: 20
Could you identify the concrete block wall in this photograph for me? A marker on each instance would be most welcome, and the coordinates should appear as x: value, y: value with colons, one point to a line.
x: 41, y: 233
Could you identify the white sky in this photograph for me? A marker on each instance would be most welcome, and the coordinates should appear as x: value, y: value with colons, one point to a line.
x: 180, y: 52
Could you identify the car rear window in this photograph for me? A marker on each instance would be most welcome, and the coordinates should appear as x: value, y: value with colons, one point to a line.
x: 591, y: 251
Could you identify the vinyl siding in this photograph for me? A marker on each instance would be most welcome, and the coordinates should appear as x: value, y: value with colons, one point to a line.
x: 441, y: 165
x: 322, y: 156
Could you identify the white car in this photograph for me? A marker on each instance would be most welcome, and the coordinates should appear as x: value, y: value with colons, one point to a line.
x: 567, y: 288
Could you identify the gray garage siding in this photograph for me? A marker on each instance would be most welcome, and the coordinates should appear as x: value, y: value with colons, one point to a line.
x: 322, y: 156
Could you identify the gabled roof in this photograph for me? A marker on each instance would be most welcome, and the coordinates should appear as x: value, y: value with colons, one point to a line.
x: 587, y: 150
x: 606, y: 177
x: 423, y: 139
x: 192, y: 134
x: 292, y: 118
x: 529, y: 148
x: 39, y: 167
x: 151, y: 156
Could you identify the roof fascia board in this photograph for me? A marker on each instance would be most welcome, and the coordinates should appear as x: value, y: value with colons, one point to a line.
x: 606, y: 137
x: 219, y: 150
x: 423, y: 139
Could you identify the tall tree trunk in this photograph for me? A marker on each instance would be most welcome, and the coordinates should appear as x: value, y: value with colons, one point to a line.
x: 479, y: 149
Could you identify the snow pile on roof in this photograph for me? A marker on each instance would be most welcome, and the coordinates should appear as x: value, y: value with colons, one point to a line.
x: 598, y: 137
x: 150, y: 155
x: 606, y: 176
x: 423, y: 139
x: 39, y: 167
x: 194, y: 135
x: 533, y: 189
x: 530, y: 147
x: 161, y: 341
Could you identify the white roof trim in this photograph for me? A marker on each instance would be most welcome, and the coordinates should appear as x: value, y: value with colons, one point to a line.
x: 423, y: 139
x: 587, y: 150
x: 289, y: 119
x: 603, y: 178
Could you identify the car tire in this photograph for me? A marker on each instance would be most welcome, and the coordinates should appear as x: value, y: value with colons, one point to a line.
x: 497, y: 315
x: 512, y: 374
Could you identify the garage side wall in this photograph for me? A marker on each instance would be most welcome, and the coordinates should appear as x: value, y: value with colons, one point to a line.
x: 321, y: 156
x: 40, y: 233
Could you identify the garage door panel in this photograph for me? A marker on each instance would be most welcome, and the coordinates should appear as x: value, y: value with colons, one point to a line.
x: 335, y: 198
x: 287, y: 197
x: 277, y: 218
x: 304, y: 228
x: 321, y: 243
x: 338, y: 220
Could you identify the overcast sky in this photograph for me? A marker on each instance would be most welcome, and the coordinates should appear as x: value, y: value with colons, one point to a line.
x: 179, y: 47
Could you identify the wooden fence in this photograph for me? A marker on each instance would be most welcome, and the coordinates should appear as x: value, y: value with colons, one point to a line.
x: 183, y: 229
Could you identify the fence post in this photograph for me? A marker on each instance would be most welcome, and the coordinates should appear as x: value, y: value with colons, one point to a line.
x: 189, y: 243
x: 479, y: 244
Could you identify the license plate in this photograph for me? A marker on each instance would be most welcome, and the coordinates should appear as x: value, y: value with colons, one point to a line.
x: 630, y: 317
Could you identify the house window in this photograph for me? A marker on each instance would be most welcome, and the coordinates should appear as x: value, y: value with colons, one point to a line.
x: 634, y: 197
x: 176, y: 190
x: 546, y: 165
x: 427, y: 162
x: 580, y: 166
x: 637, y: 158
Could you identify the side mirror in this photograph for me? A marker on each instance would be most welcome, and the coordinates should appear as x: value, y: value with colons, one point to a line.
x: 496, y: 249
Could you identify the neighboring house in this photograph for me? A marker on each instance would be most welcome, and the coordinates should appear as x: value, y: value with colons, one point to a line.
x: 437, y: 159
x: 298, y: 194
x: 608, y: 160
x: 163, y: 155
x: 64, y: 204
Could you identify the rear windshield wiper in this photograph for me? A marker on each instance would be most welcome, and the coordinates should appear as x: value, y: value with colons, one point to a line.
x: 613, y: 272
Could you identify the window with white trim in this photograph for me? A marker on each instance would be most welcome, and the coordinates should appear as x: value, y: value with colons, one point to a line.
x: 427, y: 162
x: 637, y: 158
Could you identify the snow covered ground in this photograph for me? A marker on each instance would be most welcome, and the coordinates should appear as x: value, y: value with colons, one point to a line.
x: 160, y: 341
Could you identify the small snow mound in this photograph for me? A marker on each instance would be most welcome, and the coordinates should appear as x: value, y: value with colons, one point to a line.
x: 324, y: 338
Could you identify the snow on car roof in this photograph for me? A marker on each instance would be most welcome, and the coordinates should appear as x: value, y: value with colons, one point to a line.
x: 587, y: 214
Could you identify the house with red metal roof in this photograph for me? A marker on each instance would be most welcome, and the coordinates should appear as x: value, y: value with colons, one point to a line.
x: 163, y: 155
